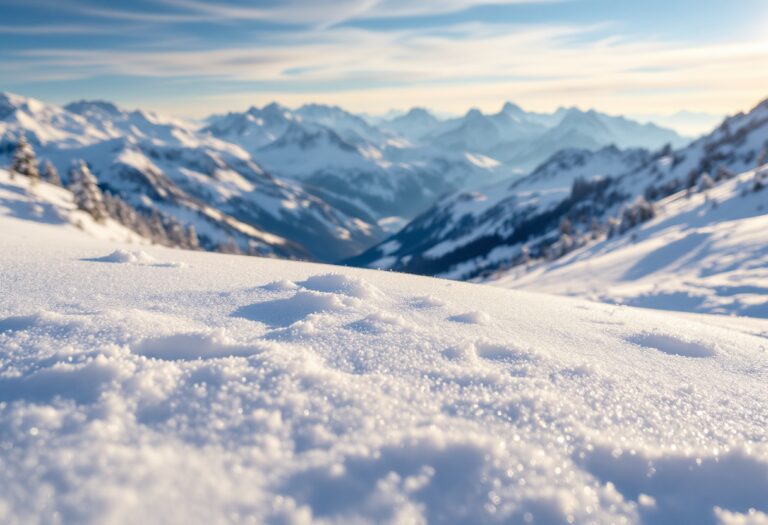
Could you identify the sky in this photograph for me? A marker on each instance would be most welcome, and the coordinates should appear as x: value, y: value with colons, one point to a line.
x: 650, y: 58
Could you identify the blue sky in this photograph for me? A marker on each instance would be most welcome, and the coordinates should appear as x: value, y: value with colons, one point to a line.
x: 190, y: 57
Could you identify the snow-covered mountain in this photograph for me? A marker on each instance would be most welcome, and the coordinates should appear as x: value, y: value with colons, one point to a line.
x: 522, y: 140
x: 344, y: 160
x: 706, y: 251
x: 158, y: 385
x: 470, y: 231
x: 167, y: 165
x: 253, y: 128
x: 317, y: 182
x: 477, y: 234
x: 414, y: 125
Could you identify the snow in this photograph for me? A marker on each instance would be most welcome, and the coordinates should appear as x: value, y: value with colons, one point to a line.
x: 705, y: 253
x: 127, y: 256
x: 228, y: 389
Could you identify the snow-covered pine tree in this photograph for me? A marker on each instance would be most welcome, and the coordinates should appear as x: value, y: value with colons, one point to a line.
x: 159, y: 234
x: 229, y: 246
x: 88, y: 196
x: 706, y: 182
x: 25, y: 160
x: 50, y: 174
x: 193, y: 243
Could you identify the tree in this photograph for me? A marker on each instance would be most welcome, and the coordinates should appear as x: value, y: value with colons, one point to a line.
x: 706, y: 182
x: 229, y: 246
x: 25, y: 160
x: 193, y: 243
x: 88, y: 196
x: 724, y: 173
x: 50, y: 174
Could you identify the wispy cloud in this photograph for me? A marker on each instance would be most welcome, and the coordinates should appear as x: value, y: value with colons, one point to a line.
x: 449, y: 66
x: 312, y: 12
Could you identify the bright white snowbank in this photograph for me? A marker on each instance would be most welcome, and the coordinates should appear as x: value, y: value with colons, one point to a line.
x: 242, y: 390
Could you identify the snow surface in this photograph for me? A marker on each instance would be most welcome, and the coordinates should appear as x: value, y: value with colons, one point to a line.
x: 707, y: 252
x: 227, y: 389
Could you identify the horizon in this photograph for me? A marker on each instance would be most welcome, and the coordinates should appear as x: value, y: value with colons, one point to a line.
x: 699, y: 123
x: 188, y: 59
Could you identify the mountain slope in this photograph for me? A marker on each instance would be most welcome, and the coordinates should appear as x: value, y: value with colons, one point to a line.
x: 473, y: 235
x: 705, y: 252
x: 167, y: 165
x: 219, y: 389
x: 343, y: 160
x: 470, y: 231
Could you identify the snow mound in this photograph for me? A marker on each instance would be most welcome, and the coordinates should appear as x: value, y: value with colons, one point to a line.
x: 127, y: 257
x: 342, y: 284
x: 673, y: 345
x: 285, y: 312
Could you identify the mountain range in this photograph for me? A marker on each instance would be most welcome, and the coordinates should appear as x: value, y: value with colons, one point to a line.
x: 577, y: 198
x: 316, y: 183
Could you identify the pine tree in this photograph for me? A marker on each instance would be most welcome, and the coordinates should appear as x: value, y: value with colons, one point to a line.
x: 50, y: 174
x: 85, y: 188
x: 25, y: 160
x: 706, y: 182
x: 159, y: 234
x: 229, y: 246
x: 193, y: 243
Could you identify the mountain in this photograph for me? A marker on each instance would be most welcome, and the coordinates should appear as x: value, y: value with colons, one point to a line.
x: 474, y: 235
x: 167, y: 165
x: 414, y: 125
x: 453, y: 238
x: 522, y: 140
x: 253, y: 128
x: 142, y: 384
x: 343, y: 160
x: 702, y: 252
x: 351, y: 128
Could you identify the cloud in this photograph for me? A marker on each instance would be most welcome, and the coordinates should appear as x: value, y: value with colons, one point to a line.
x: 450, y: 68
x: 63, y: 29
x: 310, y: 12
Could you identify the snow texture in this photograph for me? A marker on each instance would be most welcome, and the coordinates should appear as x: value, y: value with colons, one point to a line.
x: 245, y: 390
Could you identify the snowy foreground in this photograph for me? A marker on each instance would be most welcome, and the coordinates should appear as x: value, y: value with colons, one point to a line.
x: 152, y: 385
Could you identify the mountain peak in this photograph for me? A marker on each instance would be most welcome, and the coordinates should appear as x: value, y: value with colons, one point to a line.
x: 510, y: 107
x: 84, y: 106
x: 274, y: 107
x: 474, y: 113
x: 418, y: 112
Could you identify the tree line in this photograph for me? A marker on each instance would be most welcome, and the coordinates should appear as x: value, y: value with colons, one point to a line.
x: 87, y: 195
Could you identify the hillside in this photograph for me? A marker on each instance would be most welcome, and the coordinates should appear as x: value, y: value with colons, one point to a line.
x: 154, y: 385
x: 166, y: 166
x: 705, y: 252
x: 476, y: 234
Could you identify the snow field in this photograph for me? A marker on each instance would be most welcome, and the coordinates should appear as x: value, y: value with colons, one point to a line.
x: 204, y: 388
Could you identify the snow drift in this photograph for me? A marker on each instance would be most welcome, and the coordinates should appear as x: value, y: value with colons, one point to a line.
x: 227, y: 389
